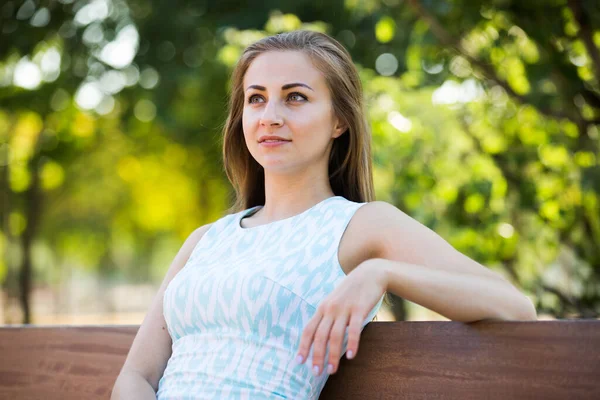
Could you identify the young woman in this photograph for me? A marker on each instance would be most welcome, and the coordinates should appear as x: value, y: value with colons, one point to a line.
x: 275, y: 292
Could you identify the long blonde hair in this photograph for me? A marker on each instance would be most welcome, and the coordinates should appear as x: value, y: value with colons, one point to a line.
x: 350, y: 173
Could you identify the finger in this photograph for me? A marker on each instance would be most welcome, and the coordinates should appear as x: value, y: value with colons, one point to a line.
x: 308, y: 335
x: 320, y: 344
x: 353, y: 335
x: 336, y: 341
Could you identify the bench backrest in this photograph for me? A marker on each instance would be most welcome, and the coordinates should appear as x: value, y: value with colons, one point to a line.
x: 412, y: 360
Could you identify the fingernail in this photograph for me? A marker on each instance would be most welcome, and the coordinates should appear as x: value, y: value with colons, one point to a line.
x: 349, y: 354
x: 299, y: 359
x: 316, y: 370
x: 329, y: 369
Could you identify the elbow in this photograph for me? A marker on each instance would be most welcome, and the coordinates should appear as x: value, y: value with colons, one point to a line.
x: 523, y: 310
x: 130, y: 381
x: 522, y: 307
x: 528, y: 311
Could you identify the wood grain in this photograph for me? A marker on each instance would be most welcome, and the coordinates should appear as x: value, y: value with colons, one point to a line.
x: 483, y: 360
x: 396, y: 360
x: 62, y: 362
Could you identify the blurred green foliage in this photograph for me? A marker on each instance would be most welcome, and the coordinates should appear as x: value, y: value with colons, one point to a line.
x: 484, y: 114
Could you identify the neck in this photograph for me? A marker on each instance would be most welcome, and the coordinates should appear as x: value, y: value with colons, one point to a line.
x: 287, y: 195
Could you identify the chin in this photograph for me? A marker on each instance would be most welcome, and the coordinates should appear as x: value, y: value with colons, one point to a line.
x: 277, y: 167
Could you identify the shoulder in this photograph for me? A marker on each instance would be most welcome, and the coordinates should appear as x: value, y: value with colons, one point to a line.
x: 186, y: 251
x: 366, y: 232
x: 194, y: 237
x: 382, y: 224
x: 199, y: 232
x: 377, y: 215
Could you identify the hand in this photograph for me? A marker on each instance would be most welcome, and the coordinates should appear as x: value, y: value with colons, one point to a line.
x: 350, y: 302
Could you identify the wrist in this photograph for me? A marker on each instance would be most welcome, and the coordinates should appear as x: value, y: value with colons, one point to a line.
x: 378, y: 268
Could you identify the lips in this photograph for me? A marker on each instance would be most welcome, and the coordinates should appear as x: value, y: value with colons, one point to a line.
x: 270, y: 137
x: 272, y: 144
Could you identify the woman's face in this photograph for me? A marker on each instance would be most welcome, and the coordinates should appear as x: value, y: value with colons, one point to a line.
x: 286, y: 96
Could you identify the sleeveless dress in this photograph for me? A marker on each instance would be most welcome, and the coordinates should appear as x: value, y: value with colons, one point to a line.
x: 237, y: 309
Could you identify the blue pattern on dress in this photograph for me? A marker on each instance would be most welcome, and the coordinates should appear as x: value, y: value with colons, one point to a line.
x: 237, y: 309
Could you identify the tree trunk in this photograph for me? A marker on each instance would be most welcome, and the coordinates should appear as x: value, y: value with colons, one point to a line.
x: 33, y: 199
x: 4, y: 213
x: 398, y: 307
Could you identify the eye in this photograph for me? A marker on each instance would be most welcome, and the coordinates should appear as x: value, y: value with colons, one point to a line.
x: 297, y: 95
x: 252, y: 97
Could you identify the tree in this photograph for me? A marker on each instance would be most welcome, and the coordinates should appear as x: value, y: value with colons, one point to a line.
x: 484, y: 116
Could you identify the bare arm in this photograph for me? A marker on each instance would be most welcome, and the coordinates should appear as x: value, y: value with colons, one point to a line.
x: 151, y: 347
x: 420, y: 266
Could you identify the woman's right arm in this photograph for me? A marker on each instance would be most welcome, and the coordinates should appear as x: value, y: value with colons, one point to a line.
x: 151, y: 347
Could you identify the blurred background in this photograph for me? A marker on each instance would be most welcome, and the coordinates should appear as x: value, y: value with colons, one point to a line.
x: 485, y: 119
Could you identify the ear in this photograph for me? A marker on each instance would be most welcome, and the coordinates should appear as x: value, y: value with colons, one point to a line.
x: 339, y: 129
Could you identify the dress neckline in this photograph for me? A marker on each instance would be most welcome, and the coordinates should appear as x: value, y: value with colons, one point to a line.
x: 251, y: 211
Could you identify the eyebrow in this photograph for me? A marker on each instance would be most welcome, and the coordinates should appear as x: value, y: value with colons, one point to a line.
x: 284, y: 87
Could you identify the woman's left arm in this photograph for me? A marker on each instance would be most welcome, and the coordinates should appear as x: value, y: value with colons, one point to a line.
x: 408, y: 259
x: 457, y: 296
x: 420, y: 266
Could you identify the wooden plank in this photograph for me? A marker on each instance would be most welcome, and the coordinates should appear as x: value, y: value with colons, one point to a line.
x: 396, y: 360
x: 62, y: 362
x: 483, y: 360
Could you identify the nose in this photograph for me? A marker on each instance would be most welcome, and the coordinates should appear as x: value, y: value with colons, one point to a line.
x: 270, y: 116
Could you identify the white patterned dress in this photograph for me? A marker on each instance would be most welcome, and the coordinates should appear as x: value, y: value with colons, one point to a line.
x: 237, y: 309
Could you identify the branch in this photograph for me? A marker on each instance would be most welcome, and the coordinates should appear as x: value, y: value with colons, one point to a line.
x: 447, y: 39
x: 585, y: 34
x: 511, y: 178
x: 584, y: 312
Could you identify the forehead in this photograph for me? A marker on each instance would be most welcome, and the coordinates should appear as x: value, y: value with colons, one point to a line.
x: 276, y: 68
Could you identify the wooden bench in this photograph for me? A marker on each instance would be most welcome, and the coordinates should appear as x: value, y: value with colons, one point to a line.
x: 396, y: 360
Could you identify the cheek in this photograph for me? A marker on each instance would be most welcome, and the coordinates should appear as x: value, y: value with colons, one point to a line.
x: 307, y: 122
x: 312, y: 126
x: 247, y: 123
x: 245, y: 119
